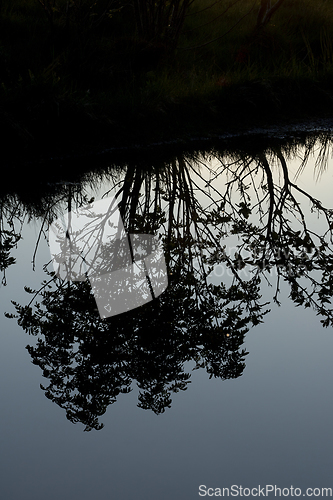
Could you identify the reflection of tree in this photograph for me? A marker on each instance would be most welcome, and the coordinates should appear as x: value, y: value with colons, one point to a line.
x: 195, y: 209
x: 90, y: 361
x: 281, y: 238
x: 22, y: 207
x: 250, y: 196
x: 11, y: 220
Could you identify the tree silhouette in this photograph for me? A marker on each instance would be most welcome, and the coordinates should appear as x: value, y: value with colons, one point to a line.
x: 11, y: 221
x: 244, y: 200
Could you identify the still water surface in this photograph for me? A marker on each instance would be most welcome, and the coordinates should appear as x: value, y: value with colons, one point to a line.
x: 243, y: 233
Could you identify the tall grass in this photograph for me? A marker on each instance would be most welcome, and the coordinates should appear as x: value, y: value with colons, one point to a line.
x: 218, y: 38
x: 297, y: 30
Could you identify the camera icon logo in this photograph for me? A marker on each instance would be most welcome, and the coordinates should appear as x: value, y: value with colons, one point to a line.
x: 125, y: 270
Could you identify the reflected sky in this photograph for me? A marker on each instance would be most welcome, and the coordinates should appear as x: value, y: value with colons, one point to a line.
x: 272, y: 425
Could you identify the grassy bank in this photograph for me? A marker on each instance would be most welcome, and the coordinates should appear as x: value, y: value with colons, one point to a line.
x: 69, y: 83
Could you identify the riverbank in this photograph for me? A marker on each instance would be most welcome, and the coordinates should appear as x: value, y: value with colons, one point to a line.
x: 60, y: 128
x: 64, y: 95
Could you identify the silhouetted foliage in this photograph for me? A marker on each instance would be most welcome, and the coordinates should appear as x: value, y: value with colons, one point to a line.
x: 11, y: 220
x: 82, y: 15
x: 239, y: 211
x: 161, y: 20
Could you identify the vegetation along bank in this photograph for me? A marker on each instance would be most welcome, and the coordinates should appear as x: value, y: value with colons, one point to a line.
x: 83, y: 75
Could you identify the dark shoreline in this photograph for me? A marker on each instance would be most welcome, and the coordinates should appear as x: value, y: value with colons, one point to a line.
x: 67, y: 145
x: 55, y: 128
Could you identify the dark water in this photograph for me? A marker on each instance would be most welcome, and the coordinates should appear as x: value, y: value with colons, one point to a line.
x: 225, y: 379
